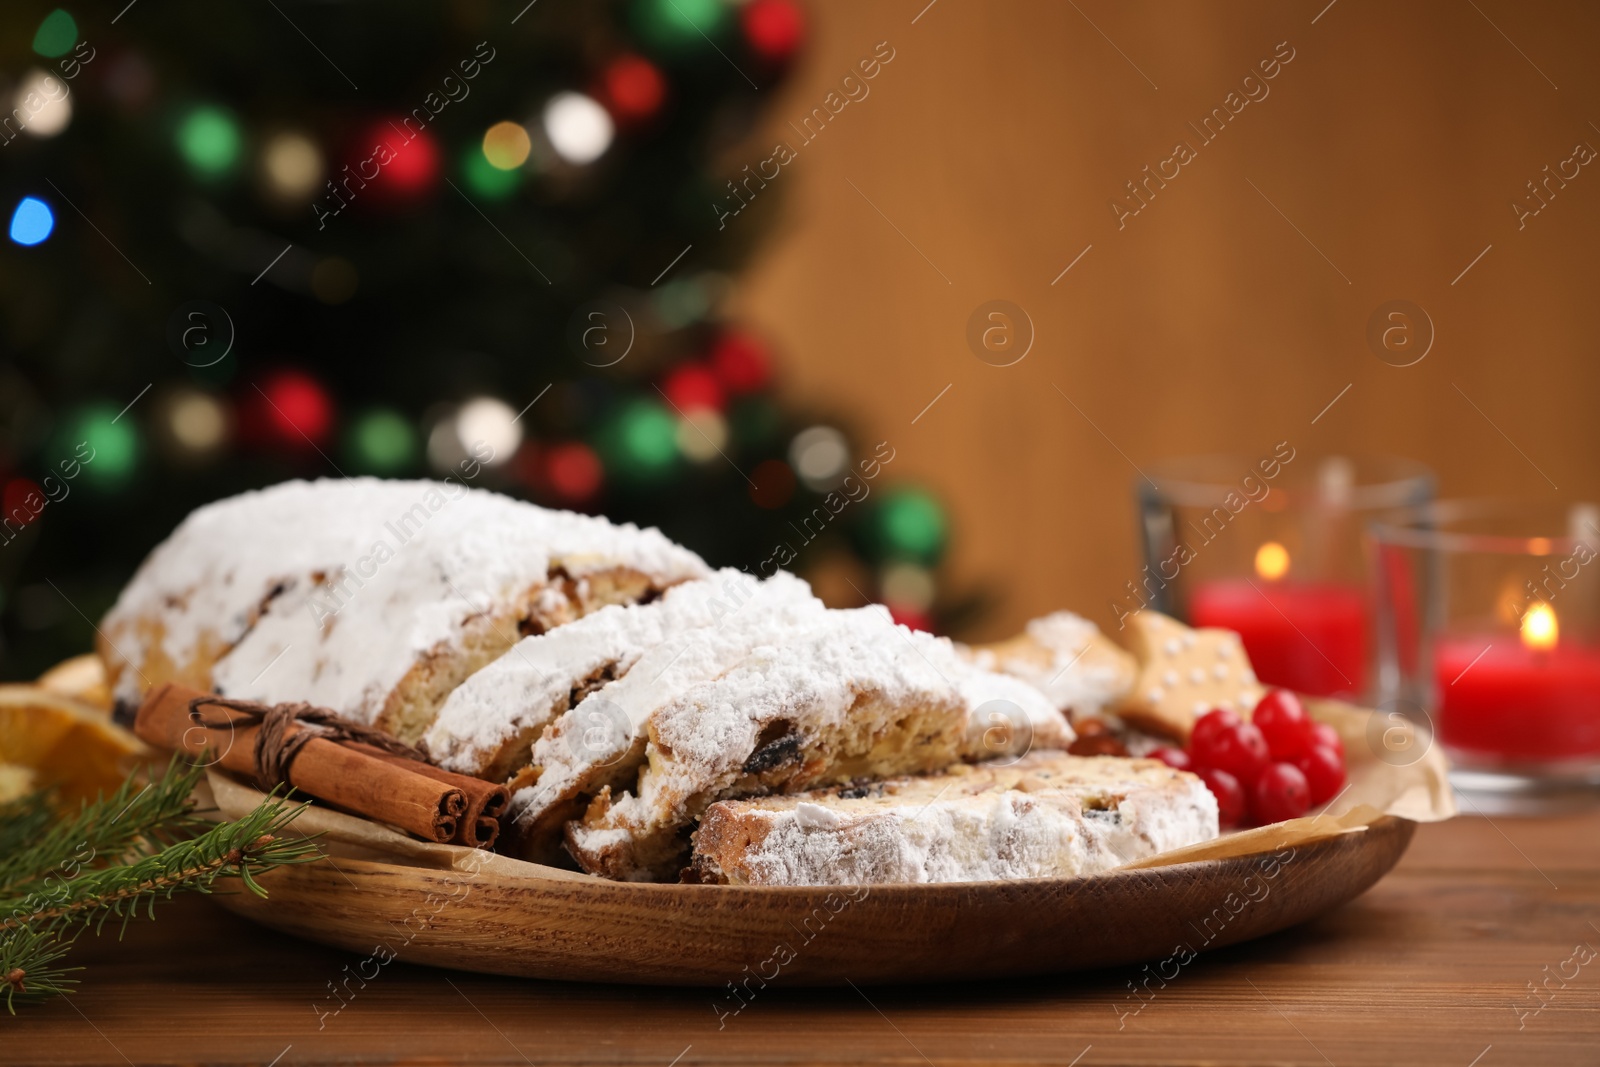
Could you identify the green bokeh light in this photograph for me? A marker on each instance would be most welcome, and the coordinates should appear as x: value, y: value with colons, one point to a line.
x: 209, y: 141
x: 910, y: 524
x: 484, y: 178
x: 106, y: 445
x: 57, y: 34
x: 641, y: 440
x: 677, y: 24
x: 382, y: 442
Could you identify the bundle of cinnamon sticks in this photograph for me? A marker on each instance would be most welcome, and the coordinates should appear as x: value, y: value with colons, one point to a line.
x: 413, y: 795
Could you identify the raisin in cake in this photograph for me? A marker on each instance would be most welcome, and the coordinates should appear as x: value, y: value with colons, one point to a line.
x: 1049, y: 815
x: 853, y: 696
x: 374, y: 598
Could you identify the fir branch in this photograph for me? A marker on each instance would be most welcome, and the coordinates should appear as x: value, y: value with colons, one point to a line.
x: 116, y: 858
x: 102, y: 831
x: 28, y: 968
x: 21, y: 822
x: 232, y: 849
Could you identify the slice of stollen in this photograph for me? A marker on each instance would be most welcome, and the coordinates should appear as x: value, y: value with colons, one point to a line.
x: 373, y: 598
x: 855, y: 697
x: 599, y: 741
x: 489, y: 725
x: 1049, y: 815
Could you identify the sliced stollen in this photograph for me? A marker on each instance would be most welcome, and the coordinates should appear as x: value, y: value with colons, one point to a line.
x: 1066, y: 657
x: 854, y: 697
x: 489, y: 725
x: 1049, y: 815
x: 373, y: 598
x: 599, y: 742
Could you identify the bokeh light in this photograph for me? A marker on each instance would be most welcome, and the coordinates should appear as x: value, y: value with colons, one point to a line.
x: 292, y: 164
x: 209, y: 141
x: 506, y: 145
x: 32, y: 221
x: 578, y: 128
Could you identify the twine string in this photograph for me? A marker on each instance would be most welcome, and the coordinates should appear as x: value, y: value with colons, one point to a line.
x: 286, y: 728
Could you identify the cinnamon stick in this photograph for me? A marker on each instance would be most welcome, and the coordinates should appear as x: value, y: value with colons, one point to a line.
x: 391, y: 792
x: 486, y: 801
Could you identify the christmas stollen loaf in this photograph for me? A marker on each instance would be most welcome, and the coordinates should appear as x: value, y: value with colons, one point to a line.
x: 373, y: 598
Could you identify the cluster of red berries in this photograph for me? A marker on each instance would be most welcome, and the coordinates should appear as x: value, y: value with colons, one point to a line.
x: 1274, y: 767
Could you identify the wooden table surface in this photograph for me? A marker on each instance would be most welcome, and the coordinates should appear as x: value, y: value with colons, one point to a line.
x: 1431, y: 966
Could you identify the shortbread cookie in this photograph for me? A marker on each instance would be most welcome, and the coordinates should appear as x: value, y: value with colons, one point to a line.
x: 1183, y: 673
x: 489, y: 725
x: 1050, y: 815
x: 374, y: 598
x: 1066, y: 657
x: 855, y: 697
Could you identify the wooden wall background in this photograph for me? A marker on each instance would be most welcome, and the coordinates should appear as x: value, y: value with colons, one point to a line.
x: 1232, y: 309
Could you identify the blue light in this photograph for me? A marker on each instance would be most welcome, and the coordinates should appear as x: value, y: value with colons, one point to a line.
x: 32, y: 221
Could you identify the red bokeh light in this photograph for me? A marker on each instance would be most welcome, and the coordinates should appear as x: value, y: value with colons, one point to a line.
x: 910, y: 617
x: 412, y: 154
x: 774, y: 484
x: 741, y: 363
x: 296, y: 409
x: 20, y: 502
x: 633, y: 88
x: 692, y: 387
x: 573, y: 471
x: 774, y: 28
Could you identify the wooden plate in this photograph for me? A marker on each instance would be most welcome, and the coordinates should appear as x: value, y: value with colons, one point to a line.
x: 592, y: 930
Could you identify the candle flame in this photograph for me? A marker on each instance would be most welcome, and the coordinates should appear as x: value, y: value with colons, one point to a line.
x: 1272, y: 561
x: 1539, y: 628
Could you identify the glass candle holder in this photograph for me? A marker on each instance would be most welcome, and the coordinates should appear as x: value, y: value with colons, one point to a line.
x: 1272, y: 547
x: 1489, y: 625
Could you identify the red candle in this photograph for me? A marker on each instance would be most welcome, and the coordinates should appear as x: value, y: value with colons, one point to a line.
x: 1307, y: 636
x: 1533, y: 699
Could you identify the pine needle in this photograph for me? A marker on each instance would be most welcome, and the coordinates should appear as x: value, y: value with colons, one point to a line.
x: 114, y: 860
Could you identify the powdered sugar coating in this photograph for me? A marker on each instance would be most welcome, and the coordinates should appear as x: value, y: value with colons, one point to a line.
x: 1069, y: 676
x: 532, y: 684
x: 821, y: 684
x: 1041, y: 818
x: 602, y: 728
x: 404, y: 564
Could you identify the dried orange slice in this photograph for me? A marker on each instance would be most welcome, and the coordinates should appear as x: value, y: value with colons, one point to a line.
x: 82, y: 677
x: 63, y: 743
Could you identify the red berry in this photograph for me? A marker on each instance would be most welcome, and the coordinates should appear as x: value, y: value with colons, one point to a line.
x: 1324, y: 771
x: 1213, y: 721
x: 1280, y: 793
x: 1176, y: 758
x: 1239, y: 750
x: 1283, y: 722
x: 1229, y: 793
x: 1326, y: 736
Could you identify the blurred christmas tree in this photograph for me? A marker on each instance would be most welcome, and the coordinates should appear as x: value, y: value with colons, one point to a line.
x: 254, y: 242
